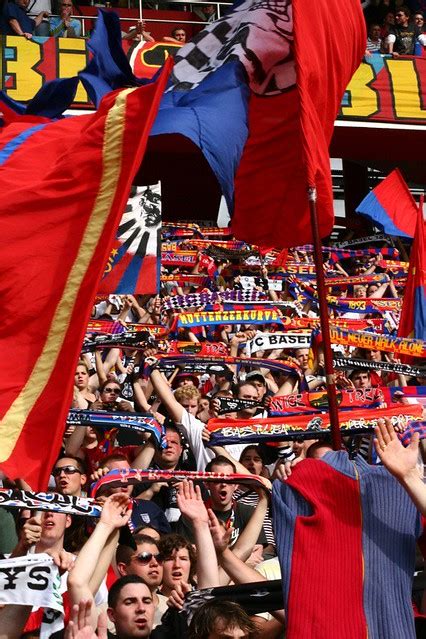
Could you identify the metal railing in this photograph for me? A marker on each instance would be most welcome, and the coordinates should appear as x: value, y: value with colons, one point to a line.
x: 220, y: 9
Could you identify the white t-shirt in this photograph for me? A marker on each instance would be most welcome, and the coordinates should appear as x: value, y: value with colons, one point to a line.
x: 191, y: 428
x: 37, y: 6
x: 271, y: 570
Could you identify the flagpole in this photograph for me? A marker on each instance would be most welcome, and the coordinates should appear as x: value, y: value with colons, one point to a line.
x: 140, y: 10
x: 325, y: 326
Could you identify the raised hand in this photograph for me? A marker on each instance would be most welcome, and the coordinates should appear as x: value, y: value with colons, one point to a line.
x: 116, y: 511
x: 220, y: 535
x: 400, y: 461
x: 177, y: 596
x: 63, y: 559
x: 79, y: 626
x: 190, y: 502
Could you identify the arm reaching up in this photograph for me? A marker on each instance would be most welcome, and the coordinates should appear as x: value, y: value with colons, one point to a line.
x: 401, y: 462
x: 192, y: 507
x: 97, y: 553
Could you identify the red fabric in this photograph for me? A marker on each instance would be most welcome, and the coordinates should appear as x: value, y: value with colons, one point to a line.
x: 35, y: 619
x: 51, y: 193
x: 289, y: 134
x: 147, y: 280
x: 395, y: 197
x: 111, y: 577
x: 412, y: 322
x: 320, y: 557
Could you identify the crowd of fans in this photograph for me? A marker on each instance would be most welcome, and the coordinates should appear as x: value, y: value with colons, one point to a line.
x: 157, y: 543
x: 138, y: 570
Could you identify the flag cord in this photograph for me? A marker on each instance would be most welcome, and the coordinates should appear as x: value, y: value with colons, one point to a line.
x: 325, y: 327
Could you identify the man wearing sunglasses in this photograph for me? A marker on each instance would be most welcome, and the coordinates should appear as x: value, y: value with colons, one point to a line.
x: 147, y: 563
x: 404, y: 34
x: 69, y: 475
x: 109, y: 399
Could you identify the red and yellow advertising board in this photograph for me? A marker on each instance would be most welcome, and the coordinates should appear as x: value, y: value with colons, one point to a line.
x: 382, y: 89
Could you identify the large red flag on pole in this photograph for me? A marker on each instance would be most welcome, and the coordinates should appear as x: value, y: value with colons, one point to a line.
x: 289, y: 133
x: 64, y: 187
x: 413, y: 314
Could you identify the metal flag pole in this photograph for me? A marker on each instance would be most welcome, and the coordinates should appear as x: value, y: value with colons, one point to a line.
x: 325, y: 326
x: 140, y: 13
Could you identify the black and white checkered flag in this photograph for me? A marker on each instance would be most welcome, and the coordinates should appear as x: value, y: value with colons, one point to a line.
x: 200, y: 299
x: 258, y: 33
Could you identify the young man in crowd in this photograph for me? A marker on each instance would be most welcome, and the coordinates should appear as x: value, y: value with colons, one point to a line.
x: 147, y: 563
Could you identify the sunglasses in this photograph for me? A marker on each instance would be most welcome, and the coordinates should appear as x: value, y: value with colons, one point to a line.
x: 146, y: 557
x: 399, y: 15
x: 116, y: 391
x: 68, y: 470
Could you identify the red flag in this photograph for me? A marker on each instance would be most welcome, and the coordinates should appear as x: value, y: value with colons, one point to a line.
x: 64, y: 187
x: 289, y: 133
x: 413, y: 314
x: 391, y: 206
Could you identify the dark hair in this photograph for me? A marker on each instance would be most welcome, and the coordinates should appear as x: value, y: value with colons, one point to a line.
x: 258, y: 450
x: 113, y: 457
x: 116, y: 588
x: 207, y: 616
x: 220, y: 460
x: 109, y: 381
x: 172, y: 428
x: 79, y: 462
x: 124, y: 553
x: 357, y: 371
x: 141, y: 538
x: 177, y: 29
x: 404, y: 9
x: 239, y: 386
x: 173, y: 541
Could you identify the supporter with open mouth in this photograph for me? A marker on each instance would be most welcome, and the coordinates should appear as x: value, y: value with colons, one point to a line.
x: 179, y: 562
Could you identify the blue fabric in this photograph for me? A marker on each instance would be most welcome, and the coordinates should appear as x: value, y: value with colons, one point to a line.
x: 50, y: 101
x: 391, y: 526
x: 14, y: 144
x: 287, y: 505
x: 214, y: 116
x: 420, y: 313
x: 109, y: 69
x: 371, y: 208
x: 146, y: 513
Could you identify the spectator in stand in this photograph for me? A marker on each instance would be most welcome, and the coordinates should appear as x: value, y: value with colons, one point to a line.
x: 178, y: 35
x: 233, y: 515
x: 147, y: 563
x: 70, y: 475
x: 83, y: 392
x: 131, y: 608
x: 110, y: 400
x: 137, y: 33
x: 360, y: 378
x: 179, y: 562
x: 144, y: 511
x: 388, y: 22
x: 63, y: 26
x: 374, y: 41
x: 221, y: 619
x: 35, y: 7
x: 404, y: 35
x: 206, y: 12
x: 420, y: 21
x: 15, y: 21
